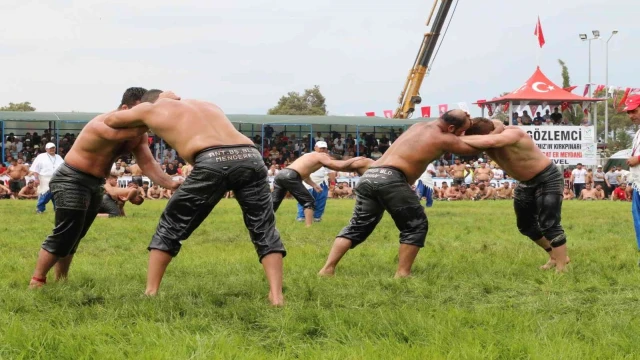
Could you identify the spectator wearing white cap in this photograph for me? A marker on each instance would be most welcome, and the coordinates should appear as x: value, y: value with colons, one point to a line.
x: 43, y: 168
x: 632, y: 107
x: 319, y: 177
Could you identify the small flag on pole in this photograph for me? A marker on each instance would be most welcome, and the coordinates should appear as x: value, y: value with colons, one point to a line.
x: 538, y: 33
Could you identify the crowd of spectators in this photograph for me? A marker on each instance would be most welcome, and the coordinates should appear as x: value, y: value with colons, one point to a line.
x: 481, y: 175
x: 548, y: 119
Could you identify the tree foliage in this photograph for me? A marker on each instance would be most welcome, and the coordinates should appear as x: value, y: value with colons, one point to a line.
x: 23, y: 106
x: 311, y: 102
x: 499, y: 114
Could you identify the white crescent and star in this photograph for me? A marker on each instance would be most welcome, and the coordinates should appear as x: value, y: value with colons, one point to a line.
x: 536, y: 87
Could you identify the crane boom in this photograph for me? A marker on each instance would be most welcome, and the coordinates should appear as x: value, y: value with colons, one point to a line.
x: 410, y: 95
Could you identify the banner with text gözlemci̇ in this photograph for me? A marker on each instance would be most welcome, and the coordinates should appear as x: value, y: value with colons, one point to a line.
x: 565, y: 145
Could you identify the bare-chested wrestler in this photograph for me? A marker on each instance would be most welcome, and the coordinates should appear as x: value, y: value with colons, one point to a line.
x: 386, y: 185
x: 599, y: 192
x: 136, y: 174
x: 224, y: 159
x: 473, y: 191
x: 77, y: 185
x: 538, y: 196
x: 483, y: 174
x: 290, y: 180
x: 5, y: 192
x: 504, y: 192
x: 567, y: 194
x: 588, y: 193
x: 154, y: 192
x: 115, y: 197
x: 16, y: 172
x: 485, y: 192
x: 457, y: 172
x: 29, y: 191
x: 453, y: 193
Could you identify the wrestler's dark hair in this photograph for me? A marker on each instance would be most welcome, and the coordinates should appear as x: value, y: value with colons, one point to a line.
x: 138, y: 200
x: 151, y: 95
x: 132, y: 95
x: 451, y: 118
x: 480, y: 126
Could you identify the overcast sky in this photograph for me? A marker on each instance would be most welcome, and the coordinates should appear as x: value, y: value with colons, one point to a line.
x: 68, y: 55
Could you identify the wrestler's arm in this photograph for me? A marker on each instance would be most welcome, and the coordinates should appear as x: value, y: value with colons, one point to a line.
x: 133, y: 117
x: 150, y: 167
x: 454, y: 145
x: 118, y: 192
x: 492, y: 141
x: 311, y: 183
x: 338, y: 165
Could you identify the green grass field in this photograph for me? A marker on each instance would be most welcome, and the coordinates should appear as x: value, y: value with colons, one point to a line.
x: 476, y: 290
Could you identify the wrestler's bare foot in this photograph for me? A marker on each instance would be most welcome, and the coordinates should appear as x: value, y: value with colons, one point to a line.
x: 276, y: 300
x: 562, y: 267
x: 35, y: 284
x: 553, y: 263
x: 150, y: 292
x: 327, y: 271
x: 402, y: 275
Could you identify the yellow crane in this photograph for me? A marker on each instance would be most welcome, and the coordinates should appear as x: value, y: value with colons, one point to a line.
x: 410, y: 95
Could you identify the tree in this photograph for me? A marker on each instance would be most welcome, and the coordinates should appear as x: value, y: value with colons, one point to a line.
x: 573, y: 116
x: 499, y: 114
x: 23, y: 106
x: 619, y: 122
x: 312, y: 102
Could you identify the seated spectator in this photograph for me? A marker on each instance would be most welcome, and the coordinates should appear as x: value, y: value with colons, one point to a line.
x: 599, y: 192
x: 29, y: 191
x: 376, y: 154
x: 486, y: 192
x: 154, y: 192
x: 567, y: 194
x: 539, y: 118
x: 504, y: 192
x: 5, y: 192
x: 620, y: 193
x: 588, y: 193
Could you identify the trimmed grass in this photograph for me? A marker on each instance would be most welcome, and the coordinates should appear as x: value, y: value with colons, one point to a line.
x: 476, y: 291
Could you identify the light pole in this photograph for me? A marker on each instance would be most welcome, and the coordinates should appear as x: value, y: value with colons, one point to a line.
x: 583, y: 37
x: 606, y: 104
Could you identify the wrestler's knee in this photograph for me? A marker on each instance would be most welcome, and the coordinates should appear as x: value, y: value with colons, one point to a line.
x: 269, y: 244
x: 59, y: 247
x: 531, y: 231
x: 163, y: 244
x: 416, y: 235
x: 311, y: 204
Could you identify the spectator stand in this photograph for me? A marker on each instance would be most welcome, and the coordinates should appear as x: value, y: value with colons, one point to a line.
x: 327, y: 125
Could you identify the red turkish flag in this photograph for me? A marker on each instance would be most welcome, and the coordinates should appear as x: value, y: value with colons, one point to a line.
x: 533, y: 109
x: 570, y: 88
x: 370, y: 113
x: 490, y: 109
x: 564, y: 106
x: 624, y: 98
x: 598, y: 89
x: 426, y: 111
x: 505, y: 107
x: 586, y: 89
x: 388, y: 113
x: 443, y: 108
x: 538, y: 33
